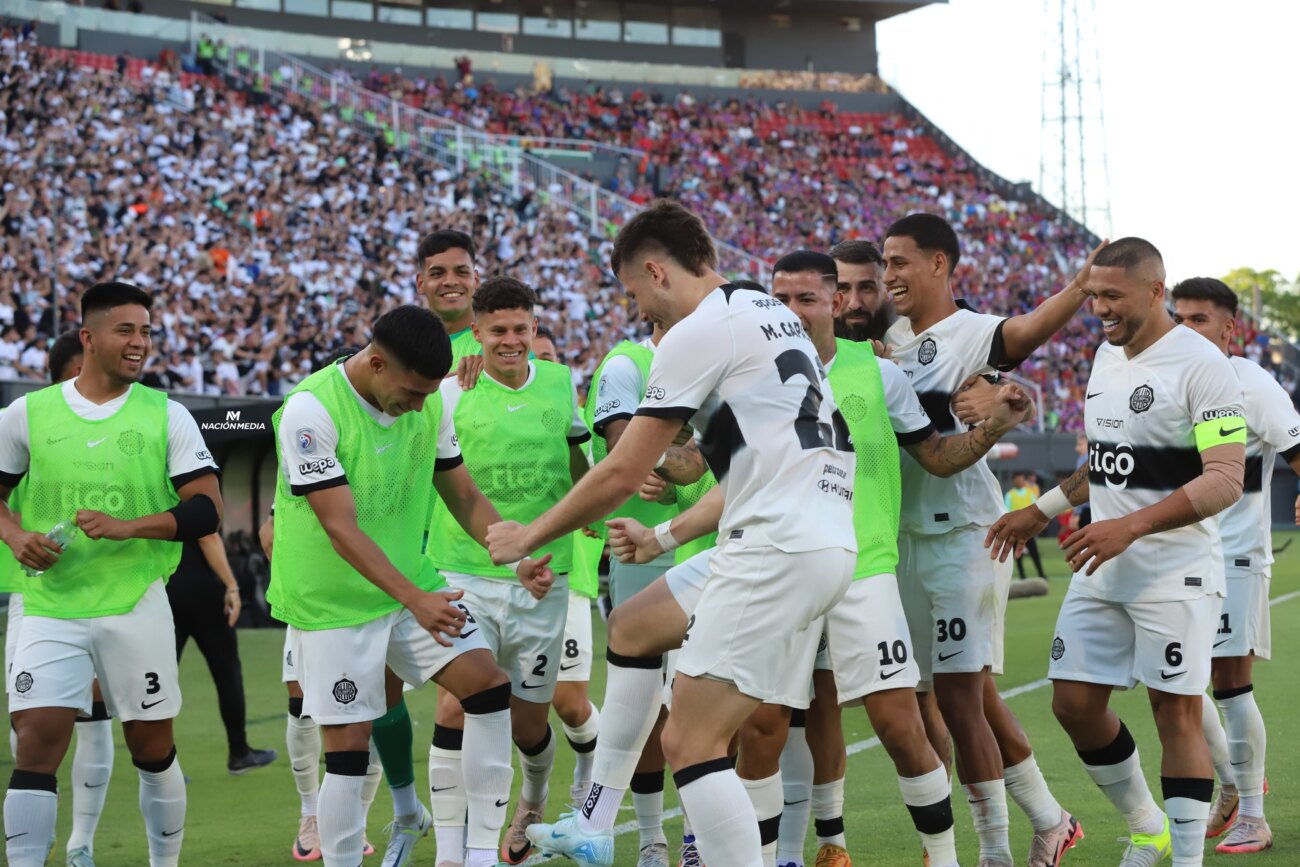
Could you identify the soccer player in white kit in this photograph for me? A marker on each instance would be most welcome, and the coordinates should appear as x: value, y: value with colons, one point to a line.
x: 955, y: 600
x: 1209, y: 307
x: 1167, y: 448
x: 738, y: 366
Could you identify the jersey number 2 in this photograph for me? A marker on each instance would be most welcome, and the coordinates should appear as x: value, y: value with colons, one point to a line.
x: 812, y: 432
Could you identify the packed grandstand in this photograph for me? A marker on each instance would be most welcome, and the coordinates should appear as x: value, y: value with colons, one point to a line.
x: 275, y: 226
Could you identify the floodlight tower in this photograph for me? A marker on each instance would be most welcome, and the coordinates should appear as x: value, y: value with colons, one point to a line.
x: 1072, y: 167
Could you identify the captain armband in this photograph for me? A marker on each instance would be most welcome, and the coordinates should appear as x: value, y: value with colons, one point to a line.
x: 195, y: 518
x: 1220, y: 431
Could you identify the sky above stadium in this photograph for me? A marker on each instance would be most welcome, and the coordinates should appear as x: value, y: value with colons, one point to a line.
x: 1202, y: 113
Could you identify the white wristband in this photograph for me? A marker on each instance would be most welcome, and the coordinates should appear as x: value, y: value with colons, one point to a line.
x: 514, y: 567
x: 665, y: 537
x: 659, y: 463
x: 1054, y: 503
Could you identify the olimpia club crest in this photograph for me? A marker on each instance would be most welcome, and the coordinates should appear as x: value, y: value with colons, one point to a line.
x: 1141, y: 398
x: 929, y: 349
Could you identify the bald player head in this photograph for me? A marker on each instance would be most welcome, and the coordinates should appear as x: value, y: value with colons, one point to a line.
x: 1127, y: 288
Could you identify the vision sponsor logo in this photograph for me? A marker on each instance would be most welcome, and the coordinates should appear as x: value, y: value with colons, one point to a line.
x: 1113, y: 423
x: 317, y: 467
x: 1114, y: 462
x: 233, y: 422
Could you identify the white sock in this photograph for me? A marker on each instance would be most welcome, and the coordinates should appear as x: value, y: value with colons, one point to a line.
x: 1247, y: 745
x: 1121, y: 781
x: 929, y: 801
x: 726, y: 831
x: 92, y: 768
x: 406, y: 806
x: 481, y: 858
x: 583, y: 741
x: 1187, y: 821
x: 488, y: 774
x: 342, y: 819
x: 536, y: 765
x: 162, y: 802
x: 447, y: 794
x: 374, y: 774
x: 648, y: 802
x: 1026, y: 786
x: 302, y: 736
x: 796, y: 785
x: 1218, y: 741
x: 30, y: 816
x: 633, y: 695
x: 988, y: 806
x: 767, y: 797
x: 828, y: 813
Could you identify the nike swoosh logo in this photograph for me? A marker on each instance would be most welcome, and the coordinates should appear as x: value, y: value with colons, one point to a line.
x: 792, y: 803
x: 99, y: 786
x: 943, y: 658
x: 527, y: 685
x: 980, y: 800
x: 302, y: 770
x: 379, y: 450
x: 1096, y: 394
x: 9, y: 837
x: 1235, y: 764
x: 90, y: 444
x: 1164, y: 676
x: 1226, y: 431
x: 443, y: 789
x: 503, y: 803
x: 1224, y: 641
x: 144, y: 706
x: 1183, y: 821
x: 567, y: 667
x: 173, y: 833
x: 469, y: 633
x: 513, y: 408
x: 887, y: 675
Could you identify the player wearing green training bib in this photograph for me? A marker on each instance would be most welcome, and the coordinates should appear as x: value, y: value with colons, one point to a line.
x: 522, y: 437
x: 130, y: 468
x: 359, y: 444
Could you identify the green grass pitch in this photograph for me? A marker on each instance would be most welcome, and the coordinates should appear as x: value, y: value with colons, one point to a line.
x: 251, y: 820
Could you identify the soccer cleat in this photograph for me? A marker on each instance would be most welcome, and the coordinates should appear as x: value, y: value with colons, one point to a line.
x: 567, y: 840
x: 690, y: 854
x: 306, y: 846
x: 250, y: 761
x: 1247, y: 834
x: 1048, y: 848
x: 1147, y: 850
x: 1223, y: 813
x: 830, y: 855
x: 516, y: 848
x: 653, y: 855
x: 403, y: 837
x: 367, y: 848
x: 82, y: 857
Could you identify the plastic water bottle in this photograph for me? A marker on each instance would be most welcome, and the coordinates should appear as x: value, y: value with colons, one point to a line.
x: 61, y: 535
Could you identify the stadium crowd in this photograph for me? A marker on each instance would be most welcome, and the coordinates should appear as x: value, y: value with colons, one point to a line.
x: 282, y: 227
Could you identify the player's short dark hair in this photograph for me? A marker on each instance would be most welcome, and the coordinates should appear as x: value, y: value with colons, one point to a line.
x: 543, y: 331
x: 65, y: 350
x: 110, y: 294
x: 1127, y: 253
x: 416, y: 338
x: 503, y: 293
x: 752, y: 285
x: 931, y: 233
x: 335, y: 357
x: 440, y: 242
x: 1207, y: 289
x: 801, y: 261
x: 669, y: 228
x: 857, y: 252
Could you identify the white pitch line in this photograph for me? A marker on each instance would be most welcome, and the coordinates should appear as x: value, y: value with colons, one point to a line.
x: 870, y: 743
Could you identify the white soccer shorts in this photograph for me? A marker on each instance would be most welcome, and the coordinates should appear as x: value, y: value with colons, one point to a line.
x: 576, y: 658
x: 288, y: 668
x: 868, y: 645
x: 13, y: 624
x: 132, y: 654
x: 341, y: 671
x: 526, y: 635
x: 955, y: 599
x: 1164, y: 645
x: 1245, y: 625
x: 759, y: 621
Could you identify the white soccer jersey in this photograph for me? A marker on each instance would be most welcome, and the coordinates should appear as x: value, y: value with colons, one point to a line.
x: 1272, y: 428
x: 1141, y: 416
x: 937, y: 361
x: 741, y: 370
x: 618, y: 393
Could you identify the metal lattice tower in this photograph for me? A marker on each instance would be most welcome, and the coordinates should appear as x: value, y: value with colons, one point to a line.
x: 1072, y: 167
